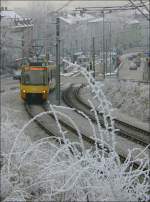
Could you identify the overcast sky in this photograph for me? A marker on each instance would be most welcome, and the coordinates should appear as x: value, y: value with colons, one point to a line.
x: 57, y: 4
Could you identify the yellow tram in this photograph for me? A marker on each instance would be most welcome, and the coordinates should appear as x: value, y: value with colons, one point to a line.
x: 36, y: 81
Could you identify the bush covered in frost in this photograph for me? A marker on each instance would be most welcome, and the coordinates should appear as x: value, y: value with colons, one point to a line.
x: 55, y: 169
x: 129, y: 97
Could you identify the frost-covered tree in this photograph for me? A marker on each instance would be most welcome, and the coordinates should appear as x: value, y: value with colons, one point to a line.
x: 6, y: 43
x: 15, y: 38
x: 58, y: 169
x: 130, y: 98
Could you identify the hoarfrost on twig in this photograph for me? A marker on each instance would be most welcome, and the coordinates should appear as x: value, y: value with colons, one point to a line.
x: 47, y: 170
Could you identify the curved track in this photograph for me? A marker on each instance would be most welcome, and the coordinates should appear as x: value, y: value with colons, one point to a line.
x: 34, y: 110
x: 48, y: 124
x: 135, y: 81
x: 72, y: 98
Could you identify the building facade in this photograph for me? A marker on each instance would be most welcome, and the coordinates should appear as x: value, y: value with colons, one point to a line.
x: 16, y: 38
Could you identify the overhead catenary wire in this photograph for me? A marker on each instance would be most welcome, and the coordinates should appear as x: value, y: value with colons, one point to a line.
x: 145, y: 5
x: 62, y: 7
x: 107, y: 8
x: 137, y: 7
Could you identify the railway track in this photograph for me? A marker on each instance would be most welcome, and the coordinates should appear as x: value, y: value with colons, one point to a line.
x: 48, y: 124
x: 71, y: 97
x: 135, y: 81
x: 34, y: 110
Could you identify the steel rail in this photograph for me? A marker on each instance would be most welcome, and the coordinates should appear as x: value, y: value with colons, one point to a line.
x: 31, y: 113
x: 52, y: 131
x: 132, y: 132
x: 126, y: 130
x: 135, y: 81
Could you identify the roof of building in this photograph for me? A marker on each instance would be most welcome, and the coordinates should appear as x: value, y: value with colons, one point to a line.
x: 10, y: 14
x: 10, y: 17
x: 72, y: 19
x: 132, y: 21
x: 96, y: 20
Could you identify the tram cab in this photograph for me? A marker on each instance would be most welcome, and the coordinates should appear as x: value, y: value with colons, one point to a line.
x: 36, y: 81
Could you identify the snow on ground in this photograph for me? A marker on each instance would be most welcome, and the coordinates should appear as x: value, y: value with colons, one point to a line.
x: 44, y: 171
x: 129, y: 97
x: 13, y: 108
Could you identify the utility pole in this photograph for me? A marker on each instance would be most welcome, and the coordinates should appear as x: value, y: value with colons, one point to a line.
x: 110, y: 46
x: 106, y: 10
x: 63, y: 48
x: 106, y: 52
x: 22, y: 44
x: 103, y: 46
x: 93, y: 55
x: 58, y: 60
x: 76, y: 41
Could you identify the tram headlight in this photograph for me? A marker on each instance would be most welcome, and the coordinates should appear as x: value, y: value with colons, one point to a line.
x: 44, y: 91
x: 24, y: 91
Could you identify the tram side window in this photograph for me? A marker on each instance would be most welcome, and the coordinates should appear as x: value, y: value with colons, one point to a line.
x: 26, y: 78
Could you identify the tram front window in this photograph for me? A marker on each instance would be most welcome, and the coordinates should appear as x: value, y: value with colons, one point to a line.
x: 35, y: 78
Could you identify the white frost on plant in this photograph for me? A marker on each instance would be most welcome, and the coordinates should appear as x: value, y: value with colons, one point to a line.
x: 129, y: 97
x: 53, y: 169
